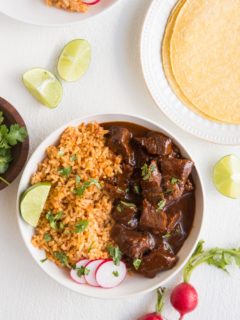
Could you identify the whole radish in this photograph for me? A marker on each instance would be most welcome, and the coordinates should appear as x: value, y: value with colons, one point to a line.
x: 159, y: 306
x: 184, y: 298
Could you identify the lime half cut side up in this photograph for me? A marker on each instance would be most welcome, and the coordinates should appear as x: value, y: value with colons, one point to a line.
x: 226, y: 176
x: 44, y: 86
x: 33, y: 201
x: 74, y: 60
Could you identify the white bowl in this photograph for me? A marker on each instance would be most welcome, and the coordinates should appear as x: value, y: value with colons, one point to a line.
x: 132, y: 284
x: 38, y: 13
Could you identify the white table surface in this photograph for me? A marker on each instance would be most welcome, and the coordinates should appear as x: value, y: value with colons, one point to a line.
x: 114, y: 83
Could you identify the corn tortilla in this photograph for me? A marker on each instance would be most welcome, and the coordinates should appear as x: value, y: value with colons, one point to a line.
x: 166, y: 61
x: 205, y: 57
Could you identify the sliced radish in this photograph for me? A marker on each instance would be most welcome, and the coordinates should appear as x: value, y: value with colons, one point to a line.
x: 91, y: 2
x: 74, y: 272
x: 108, y: 275
x: 92, y: 266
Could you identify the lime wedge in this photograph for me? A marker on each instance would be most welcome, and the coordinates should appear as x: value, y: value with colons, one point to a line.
x: 44, y: 86
x: 226, y: 176
x: 74, y: 60
x: 33, y: 201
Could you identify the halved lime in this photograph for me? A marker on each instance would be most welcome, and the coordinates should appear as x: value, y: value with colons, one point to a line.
x: 74, y: 60
x: 226, y: 176
x: 44, y: 86
x: 33, y: 201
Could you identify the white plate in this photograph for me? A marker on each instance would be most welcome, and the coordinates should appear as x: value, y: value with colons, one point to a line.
x: 37, y: 12
x: 132, y: 284
x: 174, y: 109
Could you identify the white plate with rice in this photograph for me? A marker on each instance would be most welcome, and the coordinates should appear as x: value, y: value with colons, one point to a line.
x: 133, y: 284
x: 37, y: 12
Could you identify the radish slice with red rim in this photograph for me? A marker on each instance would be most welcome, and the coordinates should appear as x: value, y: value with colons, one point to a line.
x: 77, y: 274
x: 109, y: 275
x: 91, y: 2
x: 92, y: 266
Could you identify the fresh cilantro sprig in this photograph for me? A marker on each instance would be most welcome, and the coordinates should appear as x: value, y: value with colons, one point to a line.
x: 115, y: 254
x: 81, y: 226
x: 147, y: 171
x: 81, y: 189
x: 65, y: 171
x: 54, y: 220
x: 82, y: 271
x: 218, y: 257
x: 137, y: 263
x: 9, y: 137
x: 161, y: 204
x: 62, y: 258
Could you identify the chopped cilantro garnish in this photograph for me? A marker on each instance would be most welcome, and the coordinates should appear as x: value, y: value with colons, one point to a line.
x: 82, y: 271
x: 43, y: 260
x: 128, y: 204
x: 73, y: 158
x: 137, y: 263
x: 167, y: 235
x: 115, y: 254
x: 81, y: 226
x: 47, y: 237
x: 78, y: 179
x: 174, y: 180
x: 54, y: 219
x: 137, y: 189
x: 168, y: 191
x: 161, y: 204
x: 119, y: 208
x: 65, y: 172
x: 115, y: 273
x: 62, y: 258
x: 90, y: 247
x: 80, y: 190
x: 148, y: 170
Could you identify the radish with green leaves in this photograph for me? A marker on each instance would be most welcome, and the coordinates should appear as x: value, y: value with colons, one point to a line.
x: 184, y: 297
x: 159, y: 306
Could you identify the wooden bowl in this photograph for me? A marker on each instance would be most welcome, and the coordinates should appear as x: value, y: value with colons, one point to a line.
x: 20, y: 151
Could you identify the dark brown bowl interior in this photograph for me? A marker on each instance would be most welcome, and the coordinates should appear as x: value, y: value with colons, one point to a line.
x: 20, y: 151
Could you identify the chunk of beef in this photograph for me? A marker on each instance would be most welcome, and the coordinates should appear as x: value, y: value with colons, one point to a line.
x: 151, y: 182
x: 175, y: 177
x: 157, y: 260
x: 126, y: 214
x: 141, y: 156
x: 172, y: 191
x: 132, y: 243
x: 118, y: 186
x: 189, y: 186
x: 152, y: 220
x: 118, y: 141
x: 176, y: 234
x: 173, y: 219
x: 156, y: 143
x: 177, y: 168
x: 114, y: 191
x: 177, y: 237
